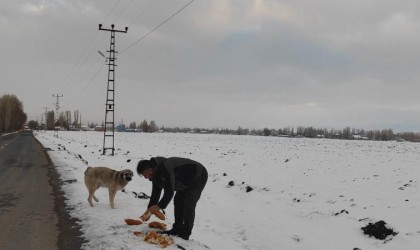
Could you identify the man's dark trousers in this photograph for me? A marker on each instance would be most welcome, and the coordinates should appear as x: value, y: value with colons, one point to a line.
x: 185, y: 202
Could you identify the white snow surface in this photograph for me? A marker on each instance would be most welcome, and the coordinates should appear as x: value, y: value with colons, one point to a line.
x: 307, y: 193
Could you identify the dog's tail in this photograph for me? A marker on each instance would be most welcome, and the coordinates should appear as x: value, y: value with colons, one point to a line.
x: 87, y: 170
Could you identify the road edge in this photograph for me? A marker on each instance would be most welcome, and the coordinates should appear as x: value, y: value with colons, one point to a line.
x: 70, y: 235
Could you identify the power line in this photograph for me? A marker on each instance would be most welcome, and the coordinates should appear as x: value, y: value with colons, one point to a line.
x: 122, y: 12
x: 157, y: 27
x: 76, y: 69
x: 86, y: 86
x: 67, y: 78
x: 115, y: 5
x: 142, y: 12
x: 68, y: 87
x: 64, y: 86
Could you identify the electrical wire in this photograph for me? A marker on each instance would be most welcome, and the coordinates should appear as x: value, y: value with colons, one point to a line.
x: 122, y: 12
x: 142, y: 12
x: 109, y: 13
x: 157, y: 27
x: 97, y: 44
x: 86, y: 86
x: 77, y: 66
x: 70, y: 86
x: 67, y: 78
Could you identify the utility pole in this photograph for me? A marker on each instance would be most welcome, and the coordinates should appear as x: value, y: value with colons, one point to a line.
x: 57, y: 105
x: 57, y: 108
x: 110, y: 93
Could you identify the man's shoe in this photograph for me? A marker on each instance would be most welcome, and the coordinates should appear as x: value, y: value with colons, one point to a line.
x: 173, y: 231
x: 184, y: 236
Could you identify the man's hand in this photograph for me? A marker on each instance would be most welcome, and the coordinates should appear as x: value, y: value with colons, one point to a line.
x: 153, y: 209
x: 146, y: 215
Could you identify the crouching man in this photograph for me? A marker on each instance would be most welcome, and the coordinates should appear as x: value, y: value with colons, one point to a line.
x: 185, y: 177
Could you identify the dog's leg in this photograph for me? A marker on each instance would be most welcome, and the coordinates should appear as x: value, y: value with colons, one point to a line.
x: 91, y: 195
x: 112, y: 193
x: 91, y: 191
x: 98, y: 185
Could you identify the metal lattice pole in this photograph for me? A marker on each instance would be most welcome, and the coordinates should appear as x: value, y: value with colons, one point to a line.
x: 57, y: 109
x: 110, y: 93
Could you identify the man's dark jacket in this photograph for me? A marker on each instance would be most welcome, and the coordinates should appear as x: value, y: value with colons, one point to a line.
x: 172, y: 174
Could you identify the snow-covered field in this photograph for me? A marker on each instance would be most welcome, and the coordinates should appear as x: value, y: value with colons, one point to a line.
x: 307, y: 193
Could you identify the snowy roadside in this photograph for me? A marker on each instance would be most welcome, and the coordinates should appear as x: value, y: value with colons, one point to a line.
x: 283, y: 193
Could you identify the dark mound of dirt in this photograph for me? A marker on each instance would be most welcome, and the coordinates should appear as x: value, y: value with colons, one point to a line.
x: 249, y: 189
x: 378, y: 230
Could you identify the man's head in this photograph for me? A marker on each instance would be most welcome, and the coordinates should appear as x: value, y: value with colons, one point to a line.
x: 145, y: 169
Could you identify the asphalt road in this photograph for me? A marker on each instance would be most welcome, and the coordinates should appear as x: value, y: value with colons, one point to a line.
x: 32, y: 209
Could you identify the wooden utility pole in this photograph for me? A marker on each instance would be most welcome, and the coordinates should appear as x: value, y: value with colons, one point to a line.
x: 110, y: 93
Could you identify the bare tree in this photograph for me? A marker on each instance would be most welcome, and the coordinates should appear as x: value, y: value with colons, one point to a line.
x: 153, y: 127
x: 50, y: 120
x: 67, y: 122
x: 387, y: 134
x: 346, y: 133
x: 144, y: 126
x: 76, y: 119
x: 133, y: 125
x: 12, y: 117
x: 32, y: 124
x: 61, y: 119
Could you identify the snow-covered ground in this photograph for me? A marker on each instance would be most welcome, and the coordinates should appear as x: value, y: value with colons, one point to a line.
x: 307, y: 193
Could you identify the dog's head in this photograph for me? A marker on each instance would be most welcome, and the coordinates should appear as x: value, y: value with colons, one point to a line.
x: 126, y: 175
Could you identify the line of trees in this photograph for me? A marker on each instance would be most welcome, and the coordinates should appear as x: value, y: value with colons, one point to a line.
x: 346, y: 133
x: 64, y: 120
x: 144, y: 126
x: 12, y: 117
x: 307, y: 132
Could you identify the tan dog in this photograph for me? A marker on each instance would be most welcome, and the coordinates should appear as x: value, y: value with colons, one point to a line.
x: 96, y: 177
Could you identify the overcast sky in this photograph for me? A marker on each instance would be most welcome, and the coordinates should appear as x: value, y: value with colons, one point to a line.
x: 227, y: 63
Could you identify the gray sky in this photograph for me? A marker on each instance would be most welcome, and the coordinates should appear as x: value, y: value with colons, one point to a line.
x: 227, y: 63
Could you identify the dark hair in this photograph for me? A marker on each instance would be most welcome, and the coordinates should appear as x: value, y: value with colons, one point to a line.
x: 143, y: 165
